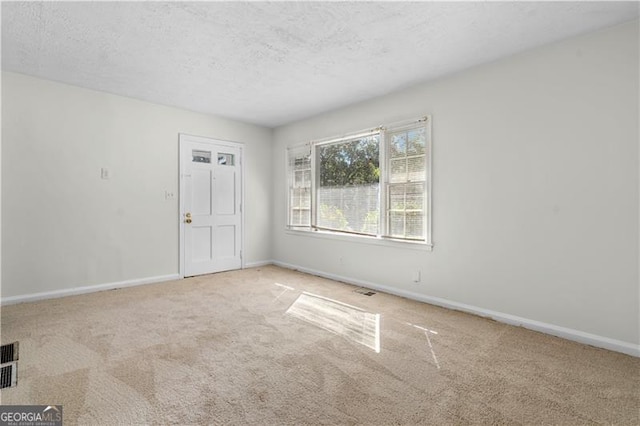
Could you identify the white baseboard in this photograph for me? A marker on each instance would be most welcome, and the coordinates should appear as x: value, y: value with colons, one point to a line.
x: 258, y: 264
x: 554, y: 330
x: 101, y: 287
x: 86, y: 289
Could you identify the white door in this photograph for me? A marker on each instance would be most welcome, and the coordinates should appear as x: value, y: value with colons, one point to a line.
x: 210, y: 205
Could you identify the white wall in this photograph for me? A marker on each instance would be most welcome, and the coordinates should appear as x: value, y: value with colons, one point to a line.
x: 63, y: 226
x: 535, y: 188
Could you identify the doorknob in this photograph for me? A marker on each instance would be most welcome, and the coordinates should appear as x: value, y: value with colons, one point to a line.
x: 187, y: 218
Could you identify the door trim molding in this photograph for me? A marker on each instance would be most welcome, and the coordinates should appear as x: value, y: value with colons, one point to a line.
x: 185, y: 138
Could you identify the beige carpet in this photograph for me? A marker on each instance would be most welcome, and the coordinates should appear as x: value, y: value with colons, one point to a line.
x: 273, y: 346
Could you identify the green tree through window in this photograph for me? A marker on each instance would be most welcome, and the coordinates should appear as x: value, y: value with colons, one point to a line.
x: 355, y: 162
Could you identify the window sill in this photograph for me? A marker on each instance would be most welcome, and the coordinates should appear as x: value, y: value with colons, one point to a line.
x: 362, y: 239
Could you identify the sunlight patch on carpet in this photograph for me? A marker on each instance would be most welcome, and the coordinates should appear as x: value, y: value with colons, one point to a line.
x: 348, y: 321
x: 284, y: 289
x: 426, y: 332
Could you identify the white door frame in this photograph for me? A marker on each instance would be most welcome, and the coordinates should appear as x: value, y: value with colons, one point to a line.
x: 182, y: 138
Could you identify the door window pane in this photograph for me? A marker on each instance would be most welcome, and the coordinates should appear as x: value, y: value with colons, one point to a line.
x: 201, y: 156
x: 225, y: 159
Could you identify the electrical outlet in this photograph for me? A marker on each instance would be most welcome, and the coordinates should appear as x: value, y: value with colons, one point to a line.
x: 169, y: 195
x: 417, y: 276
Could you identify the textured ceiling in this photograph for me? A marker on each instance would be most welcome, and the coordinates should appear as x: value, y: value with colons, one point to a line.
x: 274, y: 63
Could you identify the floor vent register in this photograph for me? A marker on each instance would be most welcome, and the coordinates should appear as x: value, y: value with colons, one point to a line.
x: 9, y: 365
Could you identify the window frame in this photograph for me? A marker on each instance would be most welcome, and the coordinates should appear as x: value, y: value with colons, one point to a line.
x: 383, y: 237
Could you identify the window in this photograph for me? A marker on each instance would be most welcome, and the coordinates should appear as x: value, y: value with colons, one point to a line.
x: 348, y: 185
x: 201, y: 156
x: 299, y: 164
x: 373, y: 183
x: 226, y: 159
x: 406, y: 187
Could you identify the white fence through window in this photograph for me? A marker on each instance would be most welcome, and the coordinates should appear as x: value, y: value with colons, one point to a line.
x: 349, y: 208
